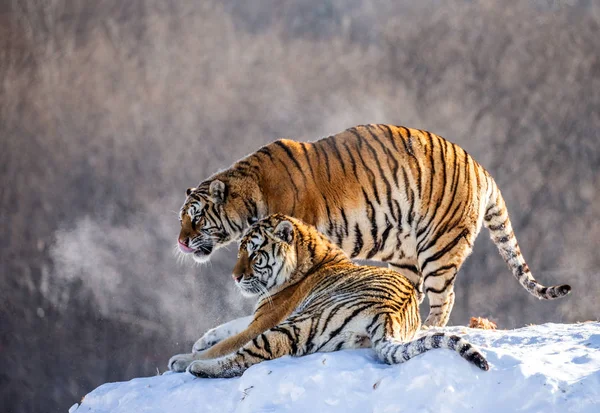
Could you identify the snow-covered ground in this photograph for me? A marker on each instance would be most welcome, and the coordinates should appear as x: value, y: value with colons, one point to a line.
x: 544, y: 368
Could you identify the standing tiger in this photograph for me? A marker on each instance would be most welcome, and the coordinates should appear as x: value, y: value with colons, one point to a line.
x: 403, y: 196
x: 313, y: 298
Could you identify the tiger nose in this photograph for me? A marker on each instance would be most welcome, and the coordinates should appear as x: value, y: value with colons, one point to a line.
x: 183, y: 247
x: 237, y: 277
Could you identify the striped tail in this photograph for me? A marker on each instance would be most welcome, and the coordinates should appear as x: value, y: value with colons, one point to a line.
x: 497, y: 221
x: 393, y: 352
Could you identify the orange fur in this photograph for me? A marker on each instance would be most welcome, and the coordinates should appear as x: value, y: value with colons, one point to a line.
x: 388, y: 193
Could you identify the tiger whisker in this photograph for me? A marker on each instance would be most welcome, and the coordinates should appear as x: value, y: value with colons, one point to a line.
x: 265, y: 293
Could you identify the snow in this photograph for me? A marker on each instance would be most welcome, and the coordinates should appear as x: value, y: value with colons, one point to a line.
x: 549, y: 367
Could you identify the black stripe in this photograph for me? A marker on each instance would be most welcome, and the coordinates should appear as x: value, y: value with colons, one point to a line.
x: 442, y: 222
x: 312, y: 332
x: 327, y: 166
x: 368, y: 329
x: 388, y: 257
x: 522, y: 269
x: 447, y: 283
x: 501, y: 240
x: 466, y: 347
x: 291, y: 156
x: 499, y: 226
x: 328, y: 212
x: 255, y: 343
x: 343, y: 213
x: 372, y: 218
x: 339, y: 345
x: 389, y: 157
x: 440, y: 271
x: 266, y: 151
x: 444, y: 250
x: 353, y: 315
x: 358, y: 241
x: 407, y: 142
x: 333, y: 143
x: 296, y: 190
x: 390, y: 136
x: 360, y: 140
x: 288, y: 335
x: 266, y: 345
x: 376, y: 159
x: 410, y: 196
x: 252, y: 353
x: 453, y: 188
x: 440, y: 230
x: 453, y: 341
x: 431, y: 158
x: 409, y: 267
x: 312, y: 172
x: 386, y: 232
x: 352, y: 160
x: 428, y: 227
x: 436, y: 340
x: 489, y: 217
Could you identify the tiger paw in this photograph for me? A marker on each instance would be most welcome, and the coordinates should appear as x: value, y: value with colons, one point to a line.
x: 180, y: 362
x: 203, y: 369
x: 209, y: 339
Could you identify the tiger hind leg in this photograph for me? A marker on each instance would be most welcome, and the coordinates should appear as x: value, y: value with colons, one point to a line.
x: 440, y: 267
x: 440, y: 307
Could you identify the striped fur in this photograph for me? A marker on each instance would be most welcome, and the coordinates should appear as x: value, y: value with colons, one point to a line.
x: 402, y: 196
x: 329, y: 303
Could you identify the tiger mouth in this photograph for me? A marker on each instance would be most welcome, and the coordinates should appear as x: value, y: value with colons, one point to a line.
x: 202, y: 253
x: 248, y: 286
x: 204, y: 250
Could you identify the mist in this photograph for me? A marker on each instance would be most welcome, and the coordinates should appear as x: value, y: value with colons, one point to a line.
x: 109, y: 110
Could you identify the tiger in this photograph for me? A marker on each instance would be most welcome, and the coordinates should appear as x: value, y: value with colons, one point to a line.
x: 313, y: 298
x: 402, y: 196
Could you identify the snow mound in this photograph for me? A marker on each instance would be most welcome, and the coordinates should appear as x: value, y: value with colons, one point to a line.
x: 550, y: 368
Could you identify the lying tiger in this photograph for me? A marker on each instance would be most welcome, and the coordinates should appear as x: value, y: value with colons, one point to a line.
x: 392, y: 194
x: 313, y: 298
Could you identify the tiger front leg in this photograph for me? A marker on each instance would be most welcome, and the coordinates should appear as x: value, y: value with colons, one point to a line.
x: 275, y: 343
x: 180, y: 362
x: 219, y: 333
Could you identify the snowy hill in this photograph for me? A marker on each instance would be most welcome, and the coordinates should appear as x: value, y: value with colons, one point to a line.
x: 549, y: 368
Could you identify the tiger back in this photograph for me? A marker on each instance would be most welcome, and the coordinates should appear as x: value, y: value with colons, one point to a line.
x: 313, y: 298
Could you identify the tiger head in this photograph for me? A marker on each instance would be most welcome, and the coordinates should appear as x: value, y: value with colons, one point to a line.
x: 216, y: 213
x: 267, y: 256
x: 279, y: 251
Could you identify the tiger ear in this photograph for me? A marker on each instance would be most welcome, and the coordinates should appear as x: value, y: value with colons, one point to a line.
x: 217, y: 191
x: 284, y: 231
x: 189, y: 191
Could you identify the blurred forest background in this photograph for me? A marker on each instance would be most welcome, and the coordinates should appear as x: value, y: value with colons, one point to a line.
x: 110, y: 109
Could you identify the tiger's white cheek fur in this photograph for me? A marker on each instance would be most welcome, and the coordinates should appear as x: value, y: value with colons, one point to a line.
x: 201, y: 259
x: 283, y: 267
x: 246, y: 293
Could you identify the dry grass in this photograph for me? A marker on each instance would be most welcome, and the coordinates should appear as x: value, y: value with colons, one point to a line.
x: 482, y: 323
